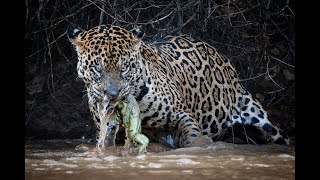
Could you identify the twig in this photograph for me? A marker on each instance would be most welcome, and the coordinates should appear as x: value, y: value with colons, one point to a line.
x: 248, y: 138
x: 31, y: 109
x: 63, y: 18
x: 152, y: 22
x: 60, y: 52
x: 46, y: 46
x: 262, y: 74
x: 180, y: 16
x: 27, y: 12
x: 184, y: 24
x: 229, y: 14
x: 282, y: 88
x: 232, y: 136
x: 102, y: 12
x: 50, y: 57
x: 245, y: 133
x: 280, y: 60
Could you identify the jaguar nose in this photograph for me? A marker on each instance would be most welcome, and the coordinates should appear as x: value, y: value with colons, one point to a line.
x: 112, y: 91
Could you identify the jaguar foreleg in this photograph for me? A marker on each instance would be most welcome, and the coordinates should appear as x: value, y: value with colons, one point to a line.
x: 188, y: 130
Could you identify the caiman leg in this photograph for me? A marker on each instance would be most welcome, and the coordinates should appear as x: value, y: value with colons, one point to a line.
x: 133, y: 134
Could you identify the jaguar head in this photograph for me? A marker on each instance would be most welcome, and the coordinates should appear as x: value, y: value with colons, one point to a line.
x: 110, y: 55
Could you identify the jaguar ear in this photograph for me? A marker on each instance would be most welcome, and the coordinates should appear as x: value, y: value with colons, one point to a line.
x: 138, y: 31
x: 73, y: 35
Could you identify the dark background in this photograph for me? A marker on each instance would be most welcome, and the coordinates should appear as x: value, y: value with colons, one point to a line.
x: 257, y: 36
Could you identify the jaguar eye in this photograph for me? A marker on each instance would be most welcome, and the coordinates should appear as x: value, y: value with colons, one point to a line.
x: 124, y: 70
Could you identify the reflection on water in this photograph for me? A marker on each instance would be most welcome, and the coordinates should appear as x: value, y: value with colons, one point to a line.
x: 60, y: 159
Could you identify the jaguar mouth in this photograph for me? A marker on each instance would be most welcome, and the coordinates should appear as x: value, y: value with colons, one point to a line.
x: 109, y: 103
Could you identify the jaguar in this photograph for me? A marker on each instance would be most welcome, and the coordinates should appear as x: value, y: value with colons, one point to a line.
x: 183, y: 85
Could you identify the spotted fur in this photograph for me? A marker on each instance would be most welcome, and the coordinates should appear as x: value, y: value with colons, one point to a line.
x: 182, y: 85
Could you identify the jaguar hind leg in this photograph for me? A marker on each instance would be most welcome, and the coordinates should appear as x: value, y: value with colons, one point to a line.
x: 276, y: 134
x: 249, y: 111
x: 260, y: 121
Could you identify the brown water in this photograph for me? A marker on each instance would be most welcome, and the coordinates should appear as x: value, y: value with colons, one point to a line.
x: 59, y: 159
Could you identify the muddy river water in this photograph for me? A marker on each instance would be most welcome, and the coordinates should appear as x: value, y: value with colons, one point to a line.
x: 65, y: 159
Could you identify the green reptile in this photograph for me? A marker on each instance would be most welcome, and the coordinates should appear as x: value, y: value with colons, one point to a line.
x: 128, y: 110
